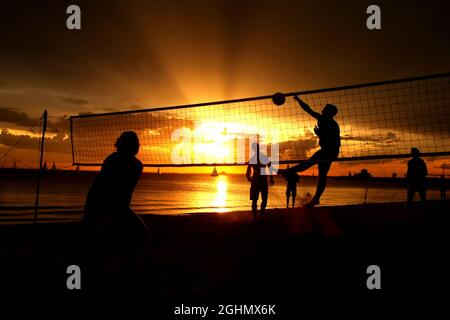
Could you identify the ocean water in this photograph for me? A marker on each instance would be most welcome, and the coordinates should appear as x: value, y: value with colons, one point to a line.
x: 63, y: 194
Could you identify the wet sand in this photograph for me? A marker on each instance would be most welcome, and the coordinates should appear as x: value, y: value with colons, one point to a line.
x: 296, y: 257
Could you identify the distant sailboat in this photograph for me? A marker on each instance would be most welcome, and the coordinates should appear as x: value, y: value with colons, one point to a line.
x: 158, y: 172
x: 54, y: 166
x: 214, y: 173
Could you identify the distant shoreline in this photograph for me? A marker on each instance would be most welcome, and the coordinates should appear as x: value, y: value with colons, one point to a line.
x: 434, y: 180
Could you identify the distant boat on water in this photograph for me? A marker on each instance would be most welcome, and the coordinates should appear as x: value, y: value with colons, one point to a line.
x: 214, y: 173
x: 158, y: 172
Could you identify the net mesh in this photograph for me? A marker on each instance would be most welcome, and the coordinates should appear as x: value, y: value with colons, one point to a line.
x: 376, y: 121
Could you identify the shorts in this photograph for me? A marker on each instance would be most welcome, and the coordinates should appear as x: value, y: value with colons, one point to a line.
x: 258, y: 187
x: 324, y: 159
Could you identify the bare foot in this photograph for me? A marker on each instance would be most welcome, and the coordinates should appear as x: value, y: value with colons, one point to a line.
x: 312, y: 203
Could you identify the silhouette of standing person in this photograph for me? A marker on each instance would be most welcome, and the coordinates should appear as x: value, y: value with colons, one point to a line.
x: 257, y: 171
x: 415, y: 177
x: 327, y: 130
x: 292, y: 178
x: 108, y: 216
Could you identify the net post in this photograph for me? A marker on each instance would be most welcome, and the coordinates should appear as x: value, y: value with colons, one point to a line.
x: 71, y: 140
x: 41, y: 157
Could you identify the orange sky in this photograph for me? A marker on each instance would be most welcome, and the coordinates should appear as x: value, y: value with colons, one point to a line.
x: 134, y: 54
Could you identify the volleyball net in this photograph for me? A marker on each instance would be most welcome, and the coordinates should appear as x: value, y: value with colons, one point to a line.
x: 377, y: 121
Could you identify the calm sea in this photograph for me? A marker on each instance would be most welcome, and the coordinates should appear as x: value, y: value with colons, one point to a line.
x: 62, y: 194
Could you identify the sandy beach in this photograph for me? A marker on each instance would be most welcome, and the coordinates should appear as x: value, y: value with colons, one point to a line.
x: 296, y: 257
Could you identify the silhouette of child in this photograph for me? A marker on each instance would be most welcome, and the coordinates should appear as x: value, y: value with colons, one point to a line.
x: 415, y: 177
x: 327, y: 130
x: 292, y: 178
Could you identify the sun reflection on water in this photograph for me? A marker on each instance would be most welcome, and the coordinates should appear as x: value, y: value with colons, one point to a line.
x: 221, y: 193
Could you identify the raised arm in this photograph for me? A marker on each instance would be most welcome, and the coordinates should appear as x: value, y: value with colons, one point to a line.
x: 307, y: 108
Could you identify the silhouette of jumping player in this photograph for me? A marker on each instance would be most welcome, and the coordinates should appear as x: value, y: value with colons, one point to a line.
x: 415, y: 177
x: 327, y: 130
x: 257, y: 171
x: 107, y: 208
x: 292, y: 178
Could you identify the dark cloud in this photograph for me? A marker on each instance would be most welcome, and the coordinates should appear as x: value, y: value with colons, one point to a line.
x: 389, y: 138
x: 17, y: 117
x: 94, y: 136
x: 57, y: 144
x: 297, y: 149
x: 75, y: 101
x: 357, y: 163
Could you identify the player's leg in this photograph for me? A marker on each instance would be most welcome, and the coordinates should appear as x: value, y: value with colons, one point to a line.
x: 287, y: 196
x: 324, y: 167
x: 411, y: 190
x: 254, y: 206
x: 254, y: 198
x: 422, y: 193
x: 264, y: 196
x: 294, y: 195
x: 307, y: 163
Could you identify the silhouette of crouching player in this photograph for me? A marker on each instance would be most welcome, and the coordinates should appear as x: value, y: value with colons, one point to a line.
x: 116, y: 238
